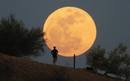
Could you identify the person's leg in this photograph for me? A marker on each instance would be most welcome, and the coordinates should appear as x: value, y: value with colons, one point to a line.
x: 54, y: 60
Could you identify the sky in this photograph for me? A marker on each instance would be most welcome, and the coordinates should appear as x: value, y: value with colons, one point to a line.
x: 112, y: 18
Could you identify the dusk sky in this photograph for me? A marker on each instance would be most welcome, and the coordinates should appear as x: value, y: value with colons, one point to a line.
x: 112, y: 18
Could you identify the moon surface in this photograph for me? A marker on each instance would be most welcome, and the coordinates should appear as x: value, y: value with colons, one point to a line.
x: 72, y: 30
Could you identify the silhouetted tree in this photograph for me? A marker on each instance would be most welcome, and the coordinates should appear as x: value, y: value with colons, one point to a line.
x: 17, y: 40
x: 96, y: 58
x: 118, y: 61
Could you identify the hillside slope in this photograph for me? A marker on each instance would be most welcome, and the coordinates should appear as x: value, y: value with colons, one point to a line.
x: 16, y: 69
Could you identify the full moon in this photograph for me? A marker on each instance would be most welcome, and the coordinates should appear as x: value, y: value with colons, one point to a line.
x: 72, y: 30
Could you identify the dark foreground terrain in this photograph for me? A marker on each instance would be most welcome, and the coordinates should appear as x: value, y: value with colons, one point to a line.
x: 17, y: 69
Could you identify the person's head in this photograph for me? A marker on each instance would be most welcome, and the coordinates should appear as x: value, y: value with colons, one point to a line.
x: 54, y: 47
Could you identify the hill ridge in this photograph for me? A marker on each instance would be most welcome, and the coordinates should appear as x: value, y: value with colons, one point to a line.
x: 16, y: 69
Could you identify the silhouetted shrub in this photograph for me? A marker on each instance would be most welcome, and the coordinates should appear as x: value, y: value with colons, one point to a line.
x: 89, y: 68
x: 17, y: 40
x: 116, y: 61
x: 96, y: 58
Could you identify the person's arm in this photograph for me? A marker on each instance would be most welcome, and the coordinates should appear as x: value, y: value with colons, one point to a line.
x: 57, y: 51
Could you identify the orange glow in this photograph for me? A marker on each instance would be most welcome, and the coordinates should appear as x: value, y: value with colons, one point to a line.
x: 71, y: 30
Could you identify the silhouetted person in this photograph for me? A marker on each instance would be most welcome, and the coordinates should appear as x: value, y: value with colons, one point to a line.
x: 54, y: 53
